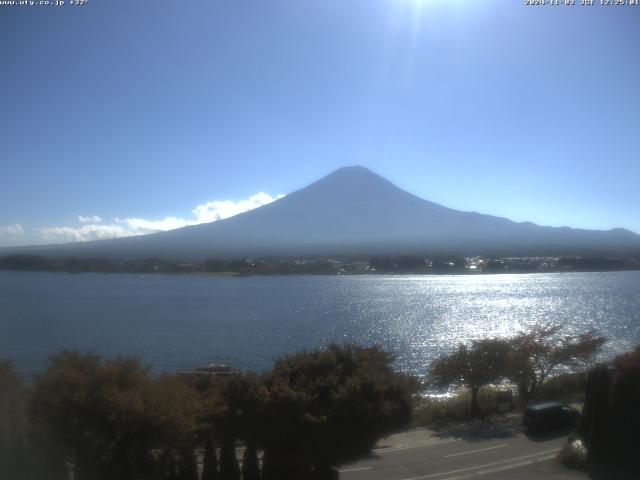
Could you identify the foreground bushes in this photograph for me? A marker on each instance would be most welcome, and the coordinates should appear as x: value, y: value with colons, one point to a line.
x: 113, y: 419
x: 335, y: 405
x: 107, y: 419
x: 611, y: 415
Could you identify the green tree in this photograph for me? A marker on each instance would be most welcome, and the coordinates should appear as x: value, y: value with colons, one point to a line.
x: 539, y: 353
x: 610, y: 417
x: 229, y: 469
x: 482, y: 363
x: 95, y: 410
x: 209, y: 460
x: 237, y: 417
x: 187, y: 463
x: 175, y: 411
x: 230, y: 413
x: 328, y: 407
x: 112, y: 417
x: 14, y: 452
x: 250, y: 465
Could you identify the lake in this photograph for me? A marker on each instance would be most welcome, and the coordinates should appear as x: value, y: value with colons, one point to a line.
x: 184, y: 321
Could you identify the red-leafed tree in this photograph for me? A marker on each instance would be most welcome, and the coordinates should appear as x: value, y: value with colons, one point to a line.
x: 482, y: 363
x: 541, y: 352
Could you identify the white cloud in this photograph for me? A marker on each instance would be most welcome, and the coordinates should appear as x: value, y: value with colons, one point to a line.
x: 89, y: 219
x: 142, y: 226
x: 220, y: 209
x: 11, y: 231
x: 93, y: 228
x: 83, y: 233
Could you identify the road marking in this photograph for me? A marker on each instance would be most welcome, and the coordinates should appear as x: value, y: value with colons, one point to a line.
x: 357, y: 469
x: 415, y: 432
x: 516, y: 465
x: 417, y: 442
x: 408, y: 446
x: 476, y: 467
x: 503, y: 469
x: 476, y: 451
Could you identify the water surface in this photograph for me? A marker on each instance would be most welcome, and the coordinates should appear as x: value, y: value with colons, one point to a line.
x: 183, y: 321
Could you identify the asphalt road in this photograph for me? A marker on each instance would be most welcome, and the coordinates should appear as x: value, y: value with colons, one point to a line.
x: 468, y: 453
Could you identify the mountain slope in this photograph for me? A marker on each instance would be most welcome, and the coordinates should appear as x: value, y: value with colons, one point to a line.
x: 353, y: 210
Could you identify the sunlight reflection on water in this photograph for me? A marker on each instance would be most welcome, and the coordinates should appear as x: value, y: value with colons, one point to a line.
x: 181, y: 321
x: 422, y: 317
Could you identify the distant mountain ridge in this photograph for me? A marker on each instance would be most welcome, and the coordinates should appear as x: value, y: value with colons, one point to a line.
x: 352, y: 211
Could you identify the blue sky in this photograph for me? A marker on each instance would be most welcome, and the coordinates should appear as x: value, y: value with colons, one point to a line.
x: 143, y: 115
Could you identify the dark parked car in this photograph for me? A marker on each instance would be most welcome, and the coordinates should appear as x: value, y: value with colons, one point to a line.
x: 550, y: 416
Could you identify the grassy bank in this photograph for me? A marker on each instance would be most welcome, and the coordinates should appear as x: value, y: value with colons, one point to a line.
x: 566, y: 388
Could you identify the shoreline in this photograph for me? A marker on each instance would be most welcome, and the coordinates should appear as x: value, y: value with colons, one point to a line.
x: 311, y: 274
